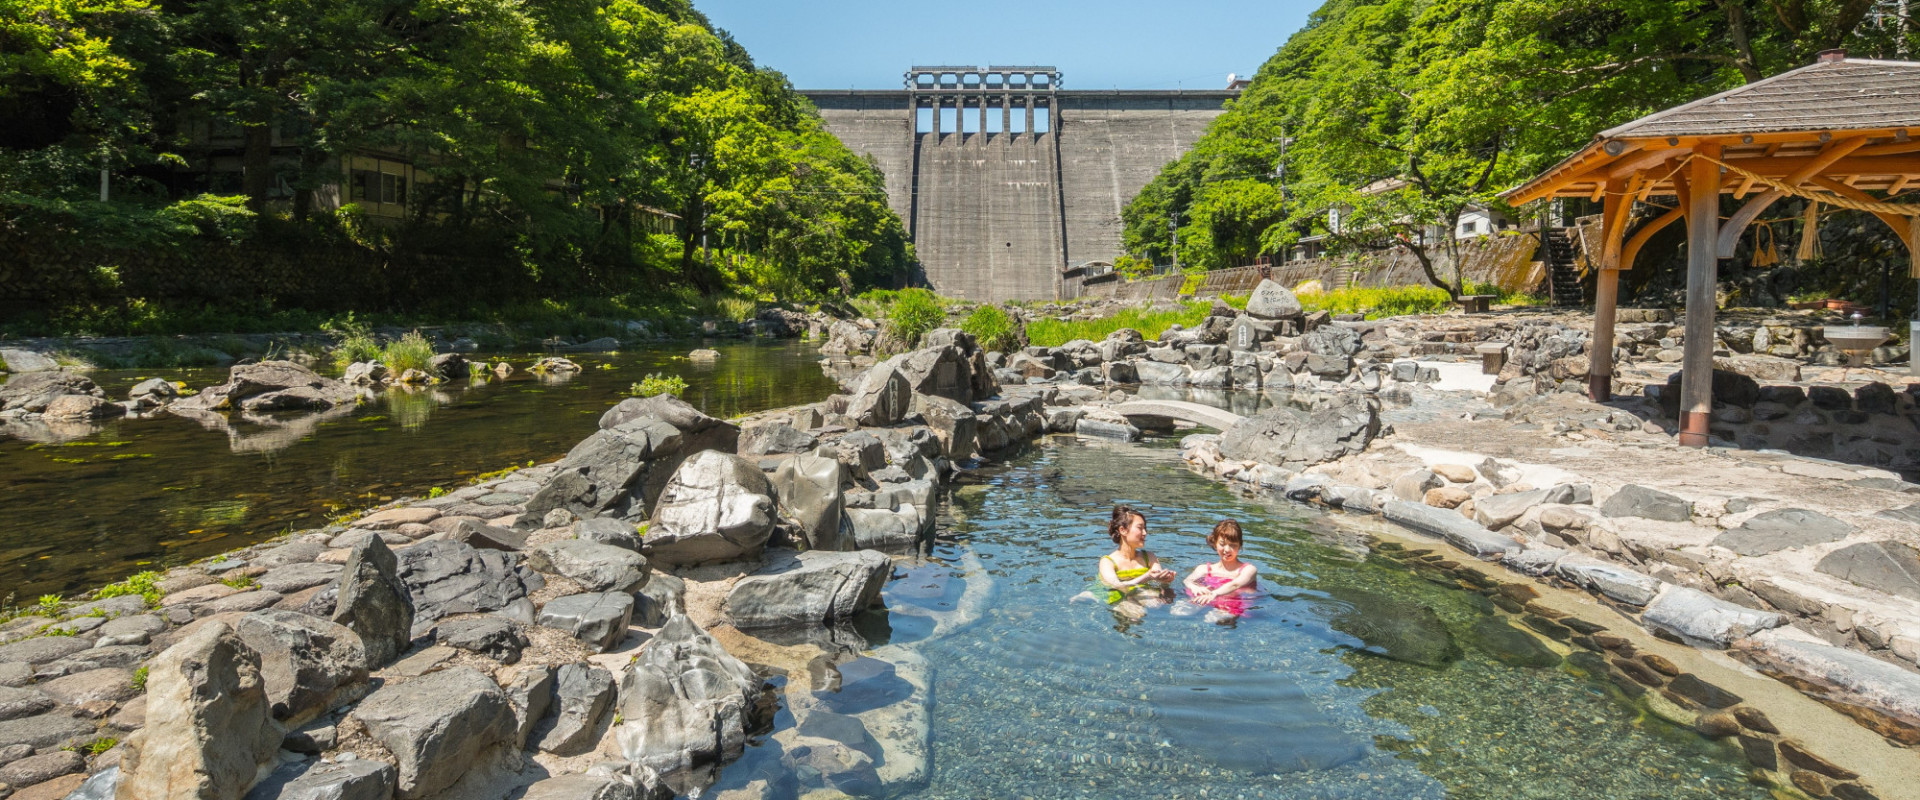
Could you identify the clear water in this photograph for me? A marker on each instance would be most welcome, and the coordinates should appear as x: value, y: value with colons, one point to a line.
x: 1043, y: 697
x: 88, y: 505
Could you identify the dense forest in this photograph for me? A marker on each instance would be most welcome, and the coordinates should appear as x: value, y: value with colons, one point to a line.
x: 1434, y: 106
x: 601, y: 147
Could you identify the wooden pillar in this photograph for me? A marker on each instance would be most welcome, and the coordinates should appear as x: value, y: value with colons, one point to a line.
x: 1703, y: 229
x: 1606, y: 295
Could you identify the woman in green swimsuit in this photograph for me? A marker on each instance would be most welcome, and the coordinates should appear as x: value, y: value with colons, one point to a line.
x: 1130, y: 572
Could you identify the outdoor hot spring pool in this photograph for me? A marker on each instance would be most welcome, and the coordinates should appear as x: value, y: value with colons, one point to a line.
x: 1353, y: 678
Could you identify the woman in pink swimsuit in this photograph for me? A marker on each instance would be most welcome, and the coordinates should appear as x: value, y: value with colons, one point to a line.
x: 1225, y: 585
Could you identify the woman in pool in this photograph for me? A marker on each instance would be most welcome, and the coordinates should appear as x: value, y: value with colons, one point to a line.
x: 1226, y: 584
x: 1129, y: 568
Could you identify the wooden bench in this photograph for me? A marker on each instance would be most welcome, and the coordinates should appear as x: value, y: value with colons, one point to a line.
x: 1476, y: 303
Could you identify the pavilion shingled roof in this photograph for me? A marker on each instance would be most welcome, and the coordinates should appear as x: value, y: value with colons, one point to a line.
x: 1838, y: 95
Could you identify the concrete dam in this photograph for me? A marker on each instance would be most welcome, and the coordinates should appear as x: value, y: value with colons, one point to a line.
x: 1009, y: 185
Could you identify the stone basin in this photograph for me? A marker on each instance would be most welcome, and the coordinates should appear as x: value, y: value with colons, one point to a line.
x: 1856, y: 340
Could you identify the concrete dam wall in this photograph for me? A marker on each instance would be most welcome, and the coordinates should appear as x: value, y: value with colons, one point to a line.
x: 1007, y: 183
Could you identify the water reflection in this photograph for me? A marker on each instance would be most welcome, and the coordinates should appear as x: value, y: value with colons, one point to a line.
x: 90, y: 503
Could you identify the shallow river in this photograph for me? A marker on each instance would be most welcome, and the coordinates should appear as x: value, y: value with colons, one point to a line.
x: 146, y: 493
x: 1353, y: 678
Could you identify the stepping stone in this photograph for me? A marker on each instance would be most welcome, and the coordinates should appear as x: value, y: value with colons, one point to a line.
x: 1640, y: 501
x: 1906, y: 514
x: 597, y: 620
x: 1783, y: 529
x: 1890, y: 567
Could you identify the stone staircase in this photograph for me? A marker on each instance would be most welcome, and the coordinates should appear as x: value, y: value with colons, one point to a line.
x: 1563, y: 276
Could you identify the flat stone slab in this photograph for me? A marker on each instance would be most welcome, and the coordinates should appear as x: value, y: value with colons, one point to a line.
x: 1904, y: 514
x: 1617, y: 582
x: 1783, y: 529
x: 598, y: 620
x: 1195, y: 413
x: 26, y: 361
x: 1700, y: 617
x: 1890, y: 567
x: 1848, y: 676
x: 1639, y: 501
x: 1449, y: 525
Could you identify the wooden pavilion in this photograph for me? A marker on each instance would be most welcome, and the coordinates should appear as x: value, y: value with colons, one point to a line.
x: 1831, y: 132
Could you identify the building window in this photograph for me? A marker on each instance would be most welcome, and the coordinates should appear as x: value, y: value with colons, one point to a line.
x: 393, y: 189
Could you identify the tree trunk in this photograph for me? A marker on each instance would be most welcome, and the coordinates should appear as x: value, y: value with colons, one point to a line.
x: 257, y: 163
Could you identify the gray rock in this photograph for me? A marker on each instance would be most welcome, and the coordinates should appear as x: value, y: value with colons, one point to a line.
x: 1306, y: 487
x: 492, y: 637
x: 209, y: 724
x: 374, y: 602
x: 298, y: 552
x: 1699, y: 617
x: 48, y: 731
x: 24, y: 361
x: 1570, y: 494
x: 882, y: 396
x: 305, y: 660
x: 1412, y: 485
x: 810, y: 588
x: 1536, y: 560
x: 1841, y: 675
x: 884, y: 529
x: 657, y: 602
x: 1293, y: 439
x: 584, y: 694
x: 15, y: 674
x: 1270, y: 300
x: 1397, y: 629
x: 1889, y: 567
x: 716, y: 508
x: 35, y: 391
x: 684, y: 703
x: 43, y: 649
x: 448, y: 578
x: 112, y: 607
x: 606, y: 530
x: 775, y: 437
x: 1499, y: 510
x: 596, y: 567
x: 42, y: 767
x: 112, y: 685
x: 438, y: 726
x: 82, y: 408
x: 485, y: 536
x: 301, y: 387
x: 1449, y: 525
x: 1639, y: 501
x: 365, y: 373
x: 1159, y: 374
x: 358, y: 779
x: 581, y: 787
x: 1782, y: 529
x: 860, y: 451
x: 598, y: 620
x: 811, y: 501
x: 530, y: 695
x: 241, y: 603
x: 23, y: 702
x: 952, y: 422
x: 313, y: 738
x: 621, y: 469
x: 1617, y: 582
x: 294, y: 577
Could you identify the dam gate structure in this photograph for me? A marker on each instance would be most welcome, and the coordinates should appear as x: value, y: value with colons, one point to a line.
x: 1011, y: 186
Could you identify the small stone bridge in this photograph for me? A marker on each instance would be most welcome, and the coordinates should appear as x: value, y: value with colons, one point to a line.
x: 1217, y: 418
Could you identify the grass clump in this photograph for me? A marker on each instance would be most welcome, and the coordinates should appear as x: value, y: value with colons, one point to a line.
x: 145, y: 584
x: 353, y: 341
x: 241, y: 582
x: 993, y: 328
x: 140, y: 679
x: 411, y: 351
x: 657, y: 384
x: 1150, y: 323
x: 1379, y: 301
x: 916, y: 312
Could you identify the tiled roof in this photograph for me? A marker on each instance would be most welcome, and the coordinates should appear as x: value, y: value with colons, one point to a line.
x: 1849, y: 94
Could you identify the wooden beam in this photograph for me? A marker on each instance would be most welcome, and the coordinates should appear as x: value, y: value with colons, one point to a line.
x: 1631, y: 249
x: 1737, y: 224
x: 1895, y: 221
x: 1746, y: 185
x: 1899, y: 185
x: 1614, y: 218
x: 1618, y: 204
x: 1703, y: 223
x: 1890, y: 149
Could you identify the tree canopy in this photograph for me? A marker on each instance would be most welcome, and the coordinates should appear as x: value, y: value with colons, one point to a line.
x: 554, y: 130
x: 1400, y: 114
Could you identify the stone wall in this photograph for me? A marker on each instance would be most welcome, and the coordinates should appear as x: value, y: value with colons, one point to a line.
x: 1506, y: 261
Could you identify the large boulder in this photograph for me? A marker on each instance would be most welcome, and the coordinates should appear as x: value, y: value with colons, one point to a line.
x: 1270, y: 300
x: 305, y: 660
x: 598, y: 620
x: 846, y: 338
x: 811, y: 588
x: 34, y: 391
x: 775, y: 437
x: 883, y: 394
x: 811, y: 500
x: 374, y: 602
x: 620, y: 470
x: 716, y: 508
x: 596, y: 567
x: 953, y: 422
x: 684, y: 703
x: 302, y: 387
x: 943, y: 371
x: 209, y: 724
x: 447, y: 578
x: 584, y: 693
x: 1293, y: 438
x: 82, y: 408
x: 359, y: 779
x: 438, y: 726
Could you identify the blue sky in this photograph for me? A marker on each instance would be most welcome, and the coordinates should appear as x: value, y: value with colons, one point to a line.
x: 1131, y: 44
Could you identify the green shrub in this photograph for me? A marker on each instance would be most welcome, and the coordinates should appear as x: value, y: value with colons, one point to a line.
x: 1150, y: 323
x: 140, y: 679
x: 993, y: 328
x: 656, y: 384
x: 50, y: 605
x: 913, y: 315
x: 411, y: 351
x: 144, y: 584
x: 1377, y: 302
x: 353, y: 341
